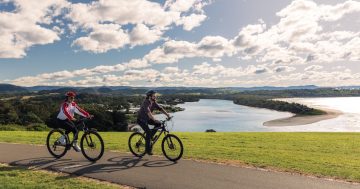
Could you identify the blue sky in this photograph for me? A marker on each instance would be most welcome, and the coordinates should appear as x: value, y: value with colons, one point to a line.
x: 180, y: 42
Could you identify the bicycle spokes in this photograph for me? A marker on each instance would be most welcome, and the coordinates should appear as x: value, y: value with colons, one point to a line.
x: 56, y: 143
x: 140, y: 144
x: 90, y: 142
x: 137, y: 144
x: 92, y: 145
x: 172, y: 147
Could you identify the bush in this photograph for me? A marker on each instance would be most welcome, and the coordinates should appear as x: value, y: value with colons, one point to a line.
x: 12, y: 128
x: 210, y: 131
x: 37, y: 127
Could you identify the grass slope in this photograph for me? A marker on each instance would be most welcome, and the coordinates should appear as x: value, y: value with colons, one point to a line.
x: 19, y: 177
x: 334, y: 155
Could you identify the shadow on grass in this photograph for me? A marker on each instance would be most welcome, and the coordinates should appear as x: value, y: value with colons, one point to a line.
x: 11, y: 168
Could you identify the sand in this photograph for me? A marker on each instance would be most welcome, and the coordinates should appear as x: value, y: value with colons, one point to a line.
x: 303, y: 119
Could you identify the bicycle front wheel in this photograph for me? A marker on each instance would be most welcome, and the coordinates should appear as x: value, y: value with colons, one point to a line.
x: 137, y: 144
x: 56, y: 143
x: 172, y: 147
x: 92, y: 145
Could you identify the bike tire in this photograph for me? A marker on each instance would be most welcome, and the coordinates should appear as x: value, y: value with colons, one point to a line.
x: 48, y: 145
x: 139, y: 143
x: 169, y: 140
x: 85, y: 141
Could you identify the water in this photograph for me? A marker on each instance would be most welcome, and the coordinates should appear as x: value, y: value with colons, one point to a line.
x: 222, y: 115
x: 225, y: 116
x: 348, y: 121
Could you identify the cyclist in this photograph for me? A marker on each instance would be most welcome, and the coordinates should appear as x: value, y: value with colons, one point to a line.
x: 66, y: 118
x: 145, y: 118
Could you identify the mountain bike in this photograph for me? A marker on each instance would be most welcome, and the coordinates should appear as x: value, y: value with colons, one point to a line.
x: 91, y: 143
x: 171, y: 145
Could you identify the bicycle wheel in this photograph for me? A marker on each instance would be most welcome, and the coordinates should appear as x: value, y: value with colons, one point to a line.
x: 57, y: 148
x: 137, y: 144
x: 92, y: 145
x: 172, y: 147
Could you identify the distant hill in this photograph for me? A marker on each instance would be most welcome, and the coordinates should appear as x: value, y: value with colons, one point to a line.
x: 128, y: 90
x: 7, y: 88
x: 42, y: 88
x: 349, y: 87
x: 272, y: 88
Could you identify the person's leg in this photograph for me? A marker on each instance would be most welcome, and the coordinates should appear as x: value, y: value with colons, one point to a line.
x: 148, y: 135
x: 72, y: 128
x: 156, y: 126
x: 61, y: 124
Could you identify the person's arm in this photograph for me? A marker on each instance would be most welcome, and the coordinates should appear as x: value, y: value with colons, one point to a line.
x: 162, y: 110
x: 165, y: 112
x: 150, y: 114
x: 67, y: 114
x: 80, y: 111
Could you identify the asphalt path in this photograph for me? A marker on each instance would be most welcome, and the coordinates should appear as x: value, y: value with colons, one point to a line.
x: 156, y: 172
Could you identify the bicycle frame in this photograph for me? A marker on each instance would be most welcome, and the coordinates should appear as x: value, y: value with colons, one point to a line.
x: 170, y: 143
x: 163, y: 130
x: 81, y: 124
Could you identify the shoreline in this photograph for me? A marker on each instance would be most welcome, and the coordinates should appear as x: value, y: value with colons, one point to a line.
x: 297, y: 120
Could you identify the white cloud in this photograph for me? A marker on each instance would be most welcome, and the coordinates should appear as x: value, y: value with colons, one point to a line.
x: 279, y: 69
x: 333, y: 13
x: 28, y: 25
x: 313, y: 68
x: 297, y: 40
x: 180, y: 5
x: 171, y: 70
x: 142, y: 35
x: 191, y: 21
x: 110, y: 20
x: 63, y: 75
x: 209, y: 46
x: 137, y: 63
x: 299, y: 36
x: 103, y: 38
x: 105, y: 23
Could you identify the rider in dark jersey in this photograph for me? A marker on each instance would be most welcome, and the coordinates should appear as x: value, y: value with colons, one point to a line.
x: 146, y: 118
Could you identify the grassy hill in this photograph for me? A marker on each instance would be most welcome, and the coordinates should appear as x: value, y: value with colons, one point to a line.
x: 333, y: 155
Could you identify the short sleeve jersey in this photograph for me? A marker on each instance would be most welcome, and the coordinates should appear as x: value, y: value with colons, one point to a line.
x: 146, y: 107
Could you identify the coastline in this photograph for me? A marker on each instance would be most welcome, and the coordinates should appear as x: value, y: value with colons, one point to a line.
x: 297, y: 120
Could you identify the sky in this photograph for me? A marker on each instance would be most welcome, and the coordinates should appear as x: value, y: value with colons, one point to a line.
x: 203, y: 43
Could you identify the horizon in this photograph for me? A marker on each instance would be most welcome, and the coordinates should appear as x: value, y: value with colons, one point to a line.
x: 175, y: 43
x: 109, y: 86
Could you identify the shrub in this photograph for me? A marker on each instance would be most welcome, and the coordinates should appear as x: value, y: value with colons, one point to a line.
x: 210, y: 131
x: 37, y: 127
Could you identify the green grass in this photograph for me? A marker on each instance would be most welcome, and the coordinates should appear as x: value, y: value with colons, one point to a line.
x: 31, y: 127
x: 19, y: 178
x: 334, y: 155
x: 12, y: 127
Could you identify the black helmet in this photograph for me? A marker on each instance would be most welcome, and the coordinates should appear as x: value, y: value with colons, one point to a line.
x: 149, y: 93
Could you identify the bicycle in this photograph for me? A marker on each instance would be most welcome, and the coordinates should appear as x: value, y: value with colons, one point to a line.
x: 89, y: 142
x: 171, y: 145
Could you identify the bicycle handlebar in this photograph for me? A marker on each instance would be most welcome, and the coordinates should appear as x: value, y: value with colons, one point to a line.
x: 167, y: 119
x: 82, y: 119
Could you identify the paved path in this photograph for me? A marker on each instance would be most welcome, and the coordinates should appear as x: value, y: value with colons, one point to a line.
x: 156, y: 172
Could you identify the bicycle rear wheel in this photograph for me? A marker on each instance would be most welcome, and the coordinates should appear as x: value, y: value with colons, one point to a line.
x: 172, y: 147
x: 137, y: 144
x: 57, y: 148
x: 92, y: 145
